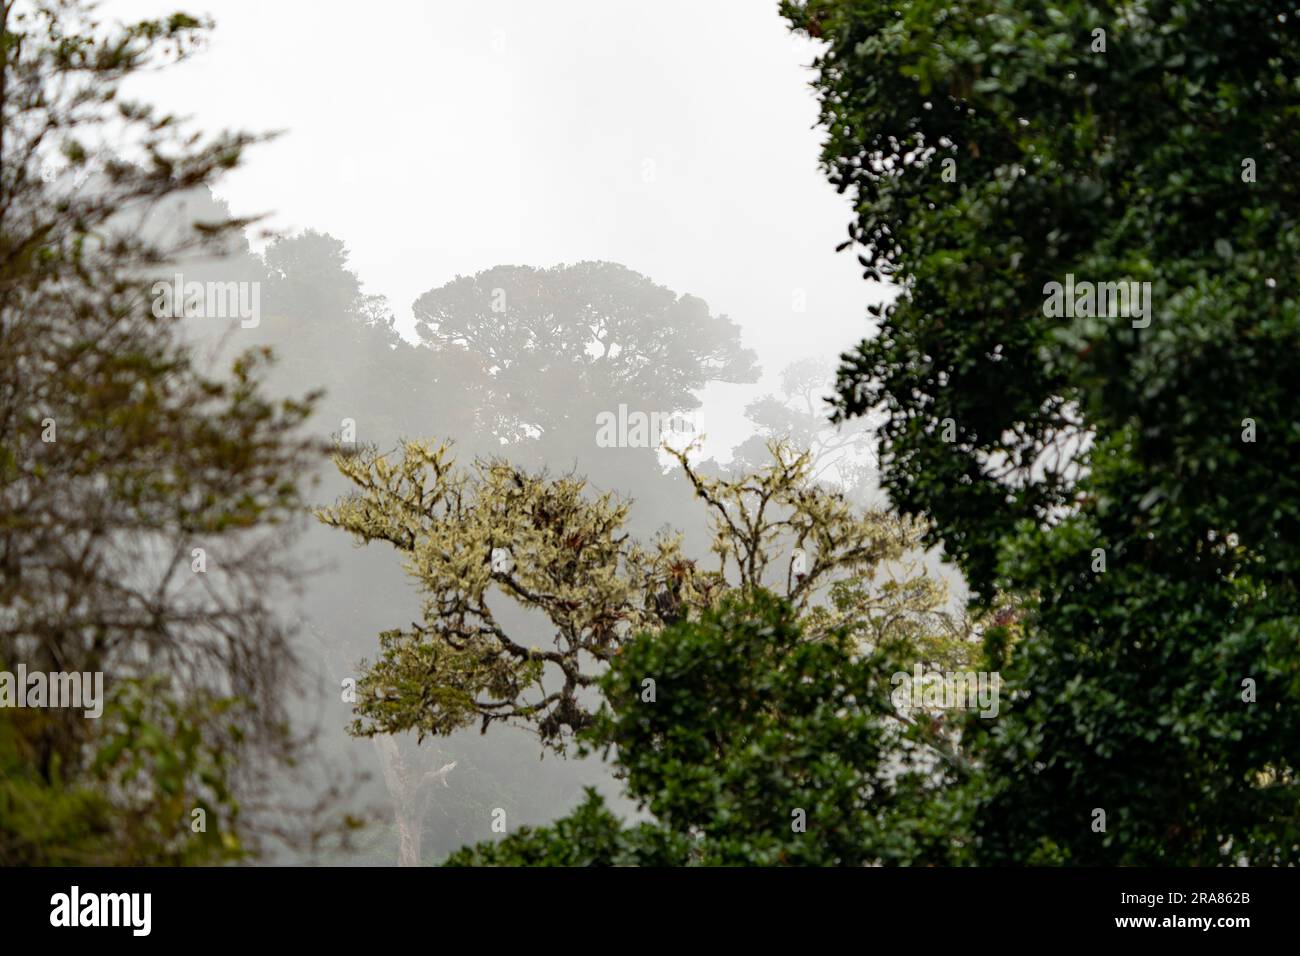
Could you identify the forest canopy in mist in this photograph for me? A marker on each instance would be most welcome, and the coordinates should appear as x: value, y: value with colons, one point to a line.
x: 559, y: 568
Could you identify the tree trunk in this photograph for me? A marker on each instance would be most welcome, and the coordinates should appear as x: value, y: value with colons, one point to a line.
x: 410, y: 833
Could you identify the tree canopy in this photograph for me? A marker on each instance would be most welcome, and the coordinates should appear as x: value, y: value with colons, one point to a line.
x: 143, y: 503
x: 1129, y: 472
x: 475, y: 541
x: 750, y: 742
x: 559, y: 345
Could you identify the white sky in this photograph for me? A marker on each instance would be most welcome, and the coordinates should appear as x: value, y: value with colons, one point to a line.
x: 439, y: 138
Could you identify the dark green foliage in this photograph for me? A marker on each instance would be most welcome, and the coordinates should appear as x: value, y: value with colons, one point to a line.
x: 752, y: 722
x: 1123, y: 164
x: 589, y: 836
x: 752, y: 728
x: 157, y: 791
x: 1076, y: 434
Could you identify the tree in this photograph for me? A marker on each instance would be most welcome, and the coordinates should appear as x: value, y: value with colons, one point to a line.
x: 1127, y: 469
x: 142, y: 503
x: 410, y: 773
x: 329, y: 331
x: 560, y: 345
x: 316, y: 316
x: 843, y: 451
x: 759, y: 746
x: 499, y: 535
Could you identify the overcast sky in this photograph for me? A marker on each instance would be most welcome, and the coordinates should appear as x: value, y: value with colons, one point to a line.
x: 440, y: 138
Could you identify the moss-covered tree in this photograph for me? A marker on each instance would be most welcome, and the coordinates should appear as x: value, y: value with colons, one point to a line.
x: 477, y: 540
